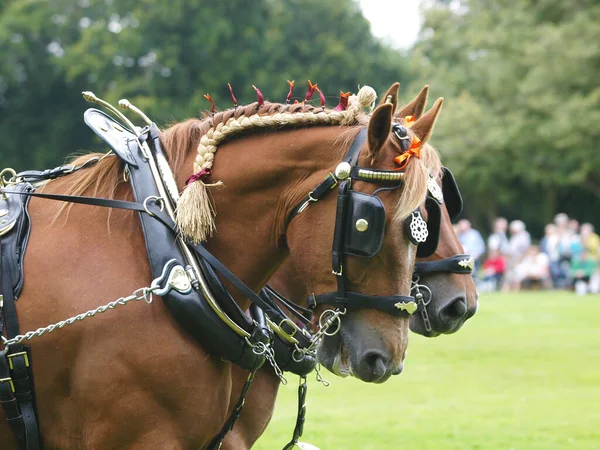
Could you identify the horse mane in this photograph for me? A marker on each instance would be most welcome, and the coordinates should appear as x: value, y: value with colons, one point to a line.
x: 104, y: 178
x: 432, y: 160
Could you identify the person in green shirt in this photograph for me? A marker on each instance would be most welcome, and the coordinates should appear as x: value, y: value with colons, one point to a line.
x: 582, y: 267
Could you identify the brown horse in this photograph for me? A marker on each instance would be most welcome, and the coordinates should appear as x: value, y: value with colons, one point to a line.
x: 446, y: 289
x: 133, y: 378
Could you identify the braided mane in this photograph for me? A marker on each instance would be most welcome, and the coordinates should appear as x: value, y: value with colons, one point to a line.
x: 195, y: 212
x: 206, y: 134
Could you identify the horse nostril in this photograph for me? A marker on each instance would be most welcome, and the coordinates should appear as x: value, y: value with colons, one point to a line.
x: 373, y: 366
x: 455, y: 310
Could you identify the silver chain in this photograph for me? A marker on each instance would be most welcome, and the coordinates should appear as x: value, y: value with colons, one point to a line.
x: 327, y: 319
x: 260, y: 348
x: 144, y: 294
x: 420, y: 299
x: 319, y: 377
x: 173, y: 276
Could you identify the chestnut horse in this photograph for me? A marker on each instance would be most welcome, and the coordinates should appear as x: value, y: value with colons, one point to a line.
x: 133, y: 378
x: 446, y: 290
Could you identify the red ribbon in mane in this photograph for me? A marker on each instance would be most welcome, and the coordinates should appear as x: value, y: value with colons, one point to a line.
x: 202, y: 175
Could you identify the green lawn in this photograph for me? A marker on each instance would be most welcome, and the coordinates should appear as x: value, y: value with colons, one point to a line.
x: 524, y: 373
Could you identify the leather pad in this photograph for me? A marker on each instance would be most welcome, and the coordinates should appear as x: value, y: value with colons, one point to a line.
x: 370, y: 208
x: 452, y: 197
x: 112, y: 133
x: 434, y: 217
x: 14, y: 231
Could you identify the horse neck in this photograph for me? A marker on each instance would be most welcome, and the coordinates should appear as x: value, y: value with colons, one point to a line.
x: 264, y: 177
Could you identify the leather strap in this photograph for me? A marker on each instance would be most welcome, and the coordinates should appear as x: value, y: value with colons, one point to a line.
x: 354, y: 151
x: 322, y: 188
x: 16, y: 392
x: 268, y: 306
x: 450, y: 265
x: 301, y: 415
x: 33, y: 176
x: 106, y: 203
x: 304, y: 314
x: 396, y: 305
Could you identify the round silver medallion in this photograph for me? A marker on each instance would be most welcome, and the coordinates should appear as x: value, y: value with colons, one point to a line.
x: 342, y: 171
x: 418, y: 227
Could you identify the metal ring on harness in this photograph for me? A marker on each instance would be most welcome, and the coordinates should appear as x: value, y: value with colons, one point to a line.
x: 12, y: 180
x: 159, y: 200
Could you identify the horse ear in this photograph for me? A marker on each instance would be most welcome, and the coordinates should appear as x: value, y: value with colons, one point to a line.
x: 416, y: 107
x: 424, y: 126
x: 392, y: 94
x: 380, y: 125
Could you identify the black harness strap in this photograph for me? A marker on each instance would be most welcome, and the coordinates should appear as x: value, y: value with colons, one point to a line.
x: 264, y: 303
x: 16, y: 387
x: 33, y: 176
x: 450, y: 265
x: 301, y: 416
x: 304, y: 314
x: 396, y: 305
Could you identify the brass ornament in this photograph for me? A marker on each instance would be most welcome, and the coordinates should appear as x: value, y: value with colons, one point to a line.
x: 342, y: 171
x: 380, y: 175
x: 409, y: 307
x: 467, y: 263
x: 362, y: 225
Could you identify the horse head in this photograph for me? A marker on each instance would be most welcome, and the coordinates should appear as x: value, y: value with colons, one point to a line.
x: 443, y: 283
x: 371, y: 341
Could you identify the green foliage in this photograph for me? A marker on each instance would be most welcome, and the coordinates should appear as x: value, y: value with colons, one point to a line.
x: 164, y: 56
x: 520, y: 122
x: 521, y: 374
x: 523, y: 102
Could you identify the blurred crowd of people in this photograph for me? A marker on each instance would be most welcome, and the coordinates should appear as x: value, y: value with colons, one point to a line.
x: 567, y: 256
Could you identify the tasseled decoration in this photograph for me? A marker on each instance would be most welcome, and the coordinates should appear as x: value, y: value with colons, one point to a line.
x: 409, y: 120
x: 343, y: 104
x: 296, y: 102
x: 321, y: 98
x: 261, y: 98
x: 311, y: 91
x: 195, y: 214
x: 233, y: 99
x: 290, y: 92
x: 212, y: 104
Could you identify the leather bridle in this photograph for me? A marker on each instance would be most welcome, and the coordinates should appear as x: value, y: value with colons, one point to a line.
x: 346, y: 171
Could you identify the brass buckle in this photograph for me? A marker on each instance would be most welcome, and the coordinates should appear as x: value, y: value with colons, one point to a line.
x: 291, y: 324
x: 331, y: 175
x: 10, y: 383
x: 13, y: 355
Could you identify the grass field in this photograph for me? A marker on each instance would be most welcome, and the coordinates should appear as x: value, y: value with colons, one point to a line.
x: 524, y: 373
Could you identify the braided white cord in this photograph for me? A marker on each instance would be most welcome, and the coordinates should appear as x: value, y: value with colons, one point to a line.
x: 214, y: 136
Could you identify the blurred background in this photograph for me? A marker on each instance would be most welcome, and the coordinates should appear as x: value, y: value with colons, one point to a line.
x: 520, y: 130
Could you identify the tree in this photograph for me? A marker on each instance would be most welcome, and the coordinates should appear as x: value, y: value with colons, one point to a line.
x: 520, y: 126
x: 164, y: 56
